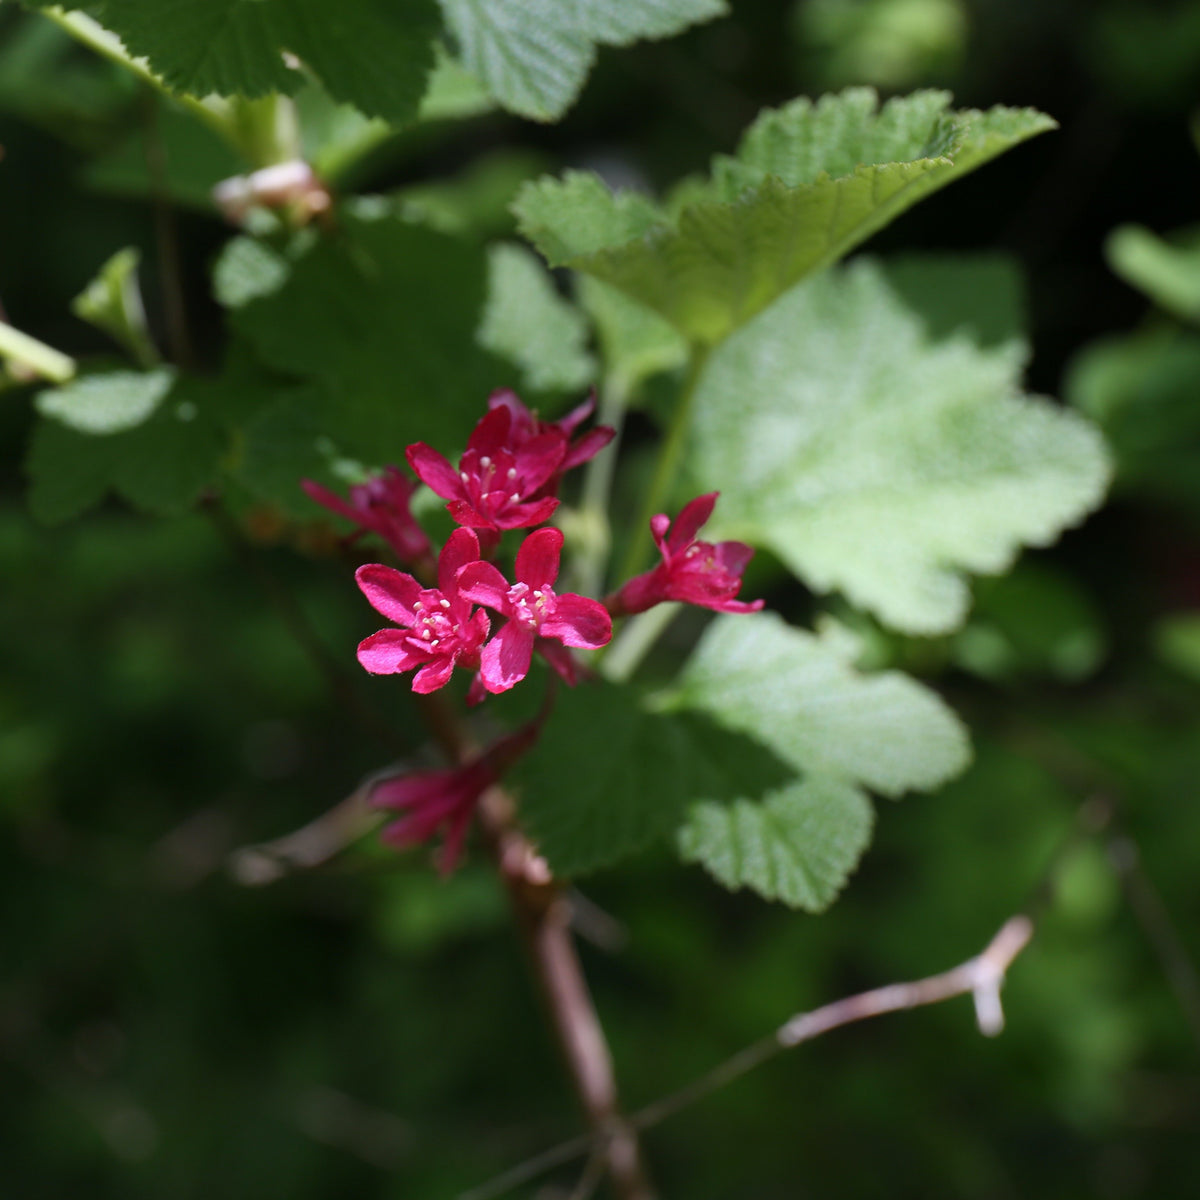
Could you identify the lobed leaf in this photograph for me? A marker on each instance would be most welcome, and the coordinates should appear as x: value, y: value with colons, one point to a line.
x: 876, y: 460
x: 527, y: 322
x: 534, y: 55
x: 801, y: 696
x: 161, y: 466
x: 373, y: 54
x: 798, y: 845
x: 381, y: 321
x: 608, y: 777
x: 108, y: 403
x: 808, y: 184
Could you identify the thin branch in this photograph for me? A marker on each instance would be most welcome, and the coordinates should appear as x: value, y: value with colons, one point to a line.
x: 311, y: 844
x: 543, y: 912
x: 981, y: 977
x: 1152, y: 915
x: 166, y: 238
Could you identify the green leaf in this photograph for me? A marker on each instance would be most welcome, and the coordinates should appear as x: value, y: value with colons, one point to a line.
x: 160, y: 466
x: 113, y: 303
x: 534, y: 57
x: 374, y: 54
x: 246, y: 270
x: 798, y: 845
x: 1141, y: 390
x: 527, y: 322
x: 1167, y: 271
x: 607, y: 777
x: 808, y: 184
x: 383, y: 320
x: 801, y: 696
x: 875, y: 460
x: 109, y: 403
x: 634, y: 342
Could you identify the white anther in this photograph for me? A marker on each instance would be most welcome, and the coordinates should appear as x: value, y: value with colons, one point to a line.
x: 444, y: 603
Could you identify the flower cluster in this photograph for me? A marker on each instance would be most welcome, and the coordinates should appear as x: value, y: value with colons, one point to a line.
x: 478, y: 620
x: 699, y: 573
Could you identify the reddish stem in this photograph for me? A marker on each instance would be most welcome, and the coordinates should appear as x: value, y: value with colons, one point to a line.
x: 543, y: 916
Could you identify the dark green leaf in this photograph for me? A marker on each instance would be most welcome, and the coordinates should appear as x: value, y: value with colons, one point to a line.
x: 608, y: 777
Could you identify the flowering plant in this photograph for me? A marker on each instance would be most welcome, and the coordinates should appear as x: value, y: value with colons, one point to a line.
x: 592, y: 676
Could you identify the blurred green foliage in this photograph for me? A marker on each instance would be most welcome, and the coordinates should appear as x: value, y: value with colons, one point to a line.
x: 366, y: 1029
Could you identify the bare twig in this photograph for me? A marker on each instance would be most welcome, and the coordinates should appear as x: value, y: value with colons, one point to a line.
x: 166, y: 237
x: 309, y: 846
x: 1152, y: 915
x: 981, y: 977
x: 543, y: 912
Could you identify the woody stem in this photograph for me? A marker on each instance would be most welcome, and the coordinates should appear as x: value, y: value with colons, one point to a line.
x: 543, y: 917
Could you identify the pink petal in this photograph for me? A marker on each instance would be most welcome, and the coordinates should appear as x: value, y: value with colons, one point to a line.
x: 578, y: 621
x: 525, y: 516
x: 733, y: 556
x: 331, y: 501
x: 482, y: 583
x: 577, y: 415
x: 539, y: 458
x: 461, y: 547
x: 491, y: 433
x: 560, y: 658
x: 406, y: 791
x: 588, y: 446
x: 523, y: 421
x: 433, y: 470
x: 388, y: 653
x: 691, y: 518
x: 736, y: 606
x: 538, y: 558
x: 464, y: 514
x: 433, y: 675
x: 506, y: 658
x: 390, y: 592
x: 659, y: 524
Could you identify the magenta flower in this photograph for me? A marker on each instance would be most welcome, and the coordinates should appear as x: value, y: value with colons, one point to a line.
x: 446, y: 800
x: 533, y: 610
x: 694, y: 572
x: 526, y: 426
x: 380, y: 505
x: 438, y: 630
x: 500, y: 477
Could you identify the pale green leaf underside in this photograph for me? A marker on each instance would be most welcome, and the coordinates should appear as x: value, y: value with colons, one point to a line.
x: 799, y: 695
x: 797, y: 846
x: 105, y: 404
x: 374, y: 54
x: 876, y: 461
x: 527, y: 322
x: 534, y: 55
x: 1168, y: 272
x: 246, y: 270
x: 808, y: 184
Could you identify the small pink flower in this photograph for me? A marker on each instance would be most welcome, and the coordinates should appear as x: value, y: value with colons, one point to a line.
x: 534, y: 612
x: 438, y: 630
x: 526, y: 426
x: 500, y: 477
x: 446, y: 800
x: 695, y: 572
x: 380, y: 505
